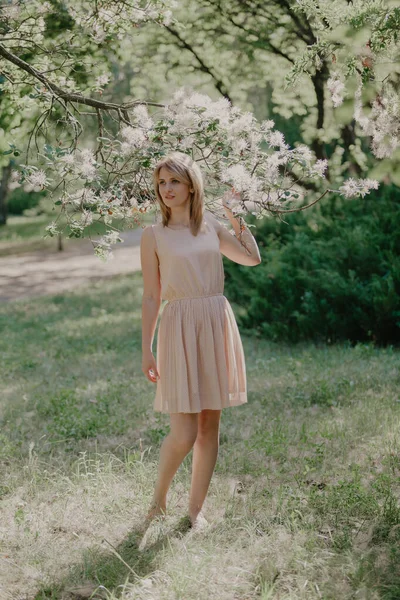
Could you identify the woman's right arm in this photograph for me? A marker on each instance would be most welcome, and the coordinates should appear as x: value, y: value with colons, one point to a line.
x: 151, y: 301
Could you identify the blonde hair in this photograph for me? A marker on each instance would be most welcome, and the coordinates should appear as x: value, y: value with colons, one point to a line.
x: 189, y: 172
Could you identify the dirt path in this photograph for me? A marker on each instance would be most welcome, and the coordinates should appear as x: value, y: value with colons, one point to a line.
x: 44, y: 273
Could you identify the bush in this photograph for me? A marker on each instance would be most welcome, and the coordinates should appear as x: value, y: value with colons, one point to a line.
x: 329, y: 274
x: 18, y: 200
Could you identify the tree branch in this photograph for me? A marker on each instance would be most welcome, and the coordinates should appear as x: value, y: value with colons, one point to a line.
x: 203, y: 67
x: 263, y: 42
x: 72, y: 96
x: 318, y: 81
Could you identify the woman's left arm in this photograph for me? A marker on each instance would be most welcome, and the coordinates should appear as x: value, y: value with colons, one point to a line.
x: 242, y: 247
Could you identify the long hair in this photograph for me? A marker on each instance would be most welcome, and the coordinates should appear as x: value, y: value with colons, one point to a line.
x: 188, y: 172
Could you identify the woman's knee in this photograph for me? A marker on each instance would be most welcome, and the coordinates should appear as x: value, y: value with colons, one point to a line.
x: 184, y: 429
x: 208, y: 424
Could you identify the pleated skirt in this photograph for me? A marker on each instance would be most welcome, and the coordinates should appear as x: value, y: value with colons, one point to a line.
x: 200, y: 356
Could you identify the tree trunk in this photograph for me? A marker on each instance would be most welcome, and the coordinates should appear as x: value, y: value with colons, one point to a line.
x: 5, y: 176
x: 319, y: 87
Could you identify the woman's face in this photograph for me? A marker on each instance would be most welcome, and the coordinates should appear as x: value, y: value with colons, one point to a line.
x: 172, y: 190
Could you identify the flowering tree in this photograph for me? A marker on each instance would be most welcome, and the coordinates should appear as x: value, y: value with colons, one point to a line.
x: 113, y: 179
x: 373, y: 65
x: 292, y: 57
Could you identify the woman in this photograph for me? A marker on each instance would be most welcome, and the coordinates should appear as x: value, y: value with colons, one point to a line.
x: 200, y: 366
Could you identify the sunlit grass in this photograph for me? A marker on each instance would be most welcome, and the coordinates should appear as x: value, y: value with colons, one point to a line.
x: 26, y: 234
x: 303, y: 502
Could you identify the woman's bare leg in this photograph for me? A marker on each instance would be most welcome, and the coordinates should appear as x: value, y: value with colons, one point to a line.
x: 205, y: 453
x: 174, y: 448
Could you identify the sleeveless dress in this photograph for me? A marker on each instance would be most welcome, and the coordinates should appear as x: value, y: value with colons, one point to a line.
x: 200, y: 356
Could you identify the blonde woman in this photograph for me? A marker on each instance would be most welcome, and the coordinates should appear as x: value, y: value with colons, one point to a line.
x: 200, y: 365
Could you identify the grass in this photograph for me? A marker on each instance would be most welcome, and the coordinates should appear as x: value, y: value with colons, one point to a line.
x: 304, y: 501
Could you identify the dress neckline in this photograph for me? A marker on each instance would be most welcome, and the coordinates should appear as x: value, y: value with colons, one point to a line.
x: 177, y: 228
x: 185, y: 227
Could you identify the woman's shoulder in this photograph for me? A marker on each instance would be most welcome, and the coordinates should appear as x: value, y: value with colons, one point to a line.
x: 210, y: 218
x: 151, y: 234
x: 150, y: 230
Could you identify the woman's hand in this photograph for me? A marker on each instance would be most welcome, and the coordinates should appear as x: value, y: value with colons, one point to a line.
x: 149, y: 367
x: 229, y: 199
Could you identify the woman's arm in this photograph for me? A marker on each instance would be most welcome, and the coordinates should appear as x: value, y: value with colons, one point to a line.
x: 244, y: 252
x: 151, y: 300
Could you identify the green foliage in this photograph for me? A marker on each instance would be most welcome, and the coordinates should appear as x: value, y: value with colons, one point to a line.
x: 19, y: 200
x: 69, y: 418
x: 328, y: 275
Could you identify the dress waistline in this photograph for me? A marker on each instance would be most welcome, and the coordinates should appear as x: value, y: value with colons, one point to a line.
x: 194, y: 297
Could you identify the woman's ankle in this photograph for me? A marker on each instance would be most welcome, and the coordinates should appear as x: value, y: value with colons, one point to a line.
x: 159, y: 504
x: 194, y: 513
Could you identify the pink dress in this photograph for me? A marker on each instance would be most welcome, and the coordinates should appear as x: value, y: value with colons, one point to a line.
x: 200, y: 355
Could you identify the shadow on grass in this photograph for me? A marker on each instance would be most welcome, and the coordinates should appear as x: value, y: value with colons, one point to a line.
x: 380, y: 570
x: 101, y: 569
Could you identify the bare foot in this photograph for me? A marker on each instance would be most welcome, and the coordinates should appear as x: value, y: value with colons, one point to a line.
x: 155, y: 511
x: 198, y: 521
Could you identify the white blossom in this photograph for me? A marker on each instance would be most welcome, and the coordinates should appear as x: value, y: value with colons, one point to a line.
x: 142, y: 116
x: 86, y: 167
x: 185, y: 109
x: 266, y: 126
x: 103, y: 252
x: 271, y: 166
x: 98, y: 33
x: 135, y: 138
x: 336, y: 88
x: 102, y: 80
x: 353, y: 188
x: 240, y: 125
x: 186, y: 142
x: 304, y: 151
x: 65, y: 164
x: 237, y: 175
x: 43, y: 8
x: 167, y: 17
x: 87, y: 171
x: 87, y: 155
x: 103, y: 245
x: 383, y: 122
x: 88, y: 196
x: 319, y: 168
x: 36, y: 181
x: 86, y: 218
x: 68, y: 159
x: 52, y: 229
x: 12, y: 11
x: 241, y: 179
x: 228, y: 143
x: 276, y: 138
x: 239, y: 145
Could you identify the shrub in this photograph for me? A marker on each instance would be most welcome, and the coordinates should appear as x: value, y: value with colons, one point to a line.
x: 327, y: 274
x: 19, y: 201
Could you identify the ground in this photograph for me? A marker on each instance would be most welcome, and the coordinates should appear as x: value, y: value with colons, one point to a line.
x: 51, y: 272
